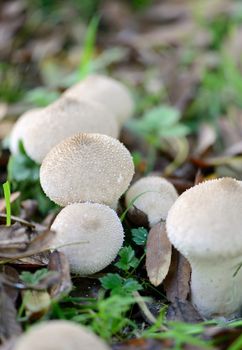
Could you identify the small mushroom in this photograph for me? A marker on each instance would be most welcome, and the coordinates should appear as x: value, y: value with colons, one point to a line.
x: 89, y: 234
x: 153, y: 196
x: 205, y: 225
x: 18, y: 132
x: 59, y: 335
x: 62, y: 119
x: 87, y: 168
x: 107, y: 91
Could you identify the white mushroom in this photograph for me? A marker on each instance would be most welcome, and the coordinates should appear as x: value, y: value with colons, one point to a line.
x: 91, y: 235
x: 59, y: 335
x: 18, y: 132
x: 107, y: 91
x: 153, y: 196
x: 205, y: 225
x: 62, y: 119
x: 87, y: 167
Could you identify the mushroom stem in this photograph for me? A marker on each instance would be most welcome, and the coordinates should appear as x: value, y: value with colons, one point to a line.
x: 216, y: 287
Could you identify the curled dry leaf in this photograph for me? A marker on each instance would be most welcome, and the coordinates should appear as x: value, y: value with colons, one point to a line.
x: 183, y: 311
x: 17, y: 241
x: 176, y: 283
x: 9, y: 326
x: 158, y: 254
x: 59, y: 263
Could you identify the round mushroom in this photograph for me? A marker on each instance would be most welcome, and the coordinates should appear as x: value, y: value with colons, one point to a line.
x: 89, y: 234
x: 87, y: 168
x: 62, y: 119
x: 59, y: 335
x: 107, y: 91
x: 205, y: 225
x: 20, y: 127
x: 153, y: 196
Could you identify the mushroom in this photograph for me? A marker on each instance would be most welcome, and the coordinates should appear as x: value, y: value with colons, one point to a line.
x: 62, y: 119
x: 89, y: 234
x: 205, y: 225
x: 107, y: 91
x: 153, y: 196
x: 59, y: 335
x: 87, y: 167
x: 18, y: 132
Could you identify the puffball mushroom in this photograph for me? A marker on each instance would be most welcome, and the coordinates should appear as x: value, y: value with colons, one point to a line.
x: 107, y: 91
x: 154, y: 197
x: 62, y: 119
x: 87, y: 167
x: 89, y: 234
x: 20, y: 127
x: 59, y: 335
x: 205, y: 225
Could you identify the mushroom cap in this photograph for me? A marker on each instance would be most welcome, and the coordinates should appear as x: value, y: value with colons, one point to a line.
x: 206, y: 222
x: 18, y: 132
x: 95, y: 224
x: 59, y: 335
x: 65, y: 118
x: 156, y: 196
x: 87, y: 167
x: 107, y: 91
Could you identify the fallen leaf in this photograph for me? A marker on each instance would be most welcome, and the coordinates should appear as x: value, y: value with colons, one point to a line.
x: 144, y: 344
x: 8, y: 317
x: 176, y: 283
x: 59, y: 263
x: 158, y: 254
x: 183, y: 311
x: 206, y: 138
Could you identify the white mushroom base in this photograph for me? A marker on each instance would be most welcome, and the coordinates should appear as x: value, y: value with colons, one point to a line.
x: 216, y: 292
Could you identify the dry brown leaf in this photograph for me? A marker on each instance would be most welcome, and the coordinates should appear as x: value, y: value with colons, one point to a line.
x: 183, y: 311
x: 206, y: 138
x: 59, y: 263
x: 158, y: 254
x: 145, y: 344
x: 9, y: 327
x: 176, y: 283
x: 17, y: 242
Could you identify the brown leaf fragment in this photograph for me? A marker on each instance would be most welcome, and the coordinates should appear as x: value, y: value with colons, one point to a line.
x: 10, y: 278
x: 18, y: 242
x: 176, y: 283
x: 138, y: 217
x: 9, y: 326
x: 223, y: 337
x: 183, y: 311
x: 59, y: 263
x: 158, y: 254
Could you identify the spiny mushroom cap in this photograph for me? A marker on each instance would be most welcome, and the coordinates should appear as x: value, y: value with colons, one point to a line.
x: 206, y: 220
x: 97, y: 226
x: 59, y: 335
x: 110, y: 92
x: 87, y: 167
x: 155, y: 197
x: 65, y: 118
x: 20, y: 127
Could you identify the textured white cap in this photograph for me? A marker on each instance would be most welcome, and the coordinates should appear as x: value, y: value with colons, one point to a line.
x: 206, y: 220
x: 98, y: 226
x: 65, y: 118
x: 107, y: 91
x: 59, y: 335
x: 155, y: 197
x: 87, y: 167
x: 20, y: 127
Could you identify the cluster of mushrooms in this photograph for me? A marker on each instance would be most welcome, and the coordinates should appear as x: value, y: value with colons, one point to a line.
x: 85, y: 169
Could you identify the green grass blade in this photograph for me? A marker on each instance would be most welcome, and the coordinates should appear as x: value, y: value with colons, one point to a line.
x: 88, y: 50
x: 7, y: 194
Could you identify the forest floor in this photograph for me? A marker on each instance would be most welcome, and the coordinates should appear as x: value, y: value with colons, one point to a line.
x: 181, y: 60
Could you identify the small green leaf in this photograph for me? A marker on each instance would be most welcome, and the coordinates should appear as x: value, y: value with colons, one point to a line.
x: 131, y: 285
x: 31, y: 279
x: 139, y: 235
x: 127, y: 259
x: 111, y: 281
